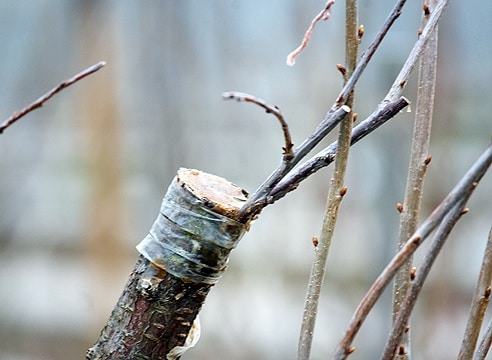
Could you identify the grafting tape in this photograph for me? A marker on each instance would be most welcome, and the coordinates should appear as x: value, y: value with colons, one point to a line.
x: 188, y: 240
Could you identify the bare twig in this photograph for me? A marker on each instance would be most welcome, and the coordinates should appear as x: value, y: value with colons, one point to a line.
x: 481, y: 299
x: 409, y: 216
x: 323, y: 15
x: 261, y: 197
x: 408, y: 302
x: 400, y: 82
x: 382, y: 114
x: 327, y: 156
x: 335, y: 195
x: 40, y: 102
x: 288, y: 148
x: 485, y: 343
x: 461, y: 191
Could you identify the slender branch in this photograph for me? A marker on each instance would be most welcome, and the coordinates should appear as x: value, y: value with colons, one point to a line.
x: 485, y: 343
x: 260, y: 198
x: 324, y: 158
x: 40, y: 102
x: 335, y: 195
x: 287, y: 149
x: 322, y: 15
x: 409, y: 216
x: 400, y: 82
x: 393, y: 99
x: 481, y: 299
x: 408, y: 302
x: 461, y: 191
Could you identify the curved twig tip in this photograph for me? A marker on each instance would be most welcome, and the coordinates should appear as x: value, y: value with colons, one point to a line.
x: 322, y: 15
x: 288, y: 152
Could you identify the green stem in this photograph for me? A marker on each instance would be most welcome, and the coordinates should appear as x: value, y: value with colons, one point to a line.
x: 336, y: 192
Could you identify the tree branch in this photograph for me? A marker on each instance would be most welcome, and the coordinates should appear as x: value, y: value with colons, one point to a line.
x: 287, y: 149
x: 322, y: 15
x: 481, y: 299
x: 335, y: 195
x: 485, y: 343
x: 324, y: 158
x: 408, y: 302
x: 40, y: 101
x: 409, y: 216
x: 261, y: 197
x: 458, y: 196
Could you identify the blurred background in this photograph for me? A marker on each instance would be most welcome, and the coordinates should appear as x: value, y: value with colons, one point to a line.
x: 82, y: 178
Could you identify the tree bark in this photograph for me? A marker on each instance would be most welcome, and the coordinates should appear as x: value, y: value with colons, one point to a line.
x: 182, y: 257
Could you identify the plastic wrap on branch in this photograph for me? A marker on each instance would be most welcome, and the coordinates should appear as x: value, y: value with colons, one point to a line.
x: 188, y: 240
x: 185, y: 253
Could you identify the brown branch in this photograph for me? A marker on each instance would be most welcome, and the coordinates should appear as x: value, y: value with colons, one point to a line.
x: 327, y: 156
x: 323, y: 15
x: 239, y: 96
x: 409, y: 217
x: 40, y: 102
x: 457, y: 197
x: 261, y: 197
x: 408, y: 302
x: 481, y: 299
x: 485, y: 343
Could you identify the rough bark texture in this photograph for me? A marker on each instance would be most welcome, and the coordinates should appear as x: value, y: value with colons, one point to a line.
x: 184, y: 254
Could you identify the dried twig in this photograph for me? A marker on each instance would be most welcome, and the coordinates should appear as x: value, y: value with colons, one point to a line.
x: 287, y: 149
x: 407, y: 304
x: 323, y: 15
x: 457, y: 196
x: 481, y: 299
x: 40, y: 102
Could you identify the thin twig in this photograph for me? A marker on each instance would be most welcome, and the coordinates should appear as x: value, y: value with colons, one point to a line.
x: 260, y: 198
x: 323, y: 15
x: 481, y: 299
x: 324, y: 158
x: 461, y: 191
x: 393, y: 97
x: 40, y: 102
x: 408, y: 302
x: 239, y: 96
x: 335, y: 195
x: 409, y: 216
x: 402, y: 79
x: 486, y: 341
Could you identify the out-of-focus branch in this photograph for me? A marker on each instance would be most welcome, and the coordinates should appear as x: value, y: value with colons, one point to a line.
x: 485, y: 343
x: 417, y: 280
x: 400, y: 82
x: 322, y: 15
x: 419, y: 159
x: 287, y: 149
x: 40, y: 102
x: 481, y: 299
x: 457, y: 197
